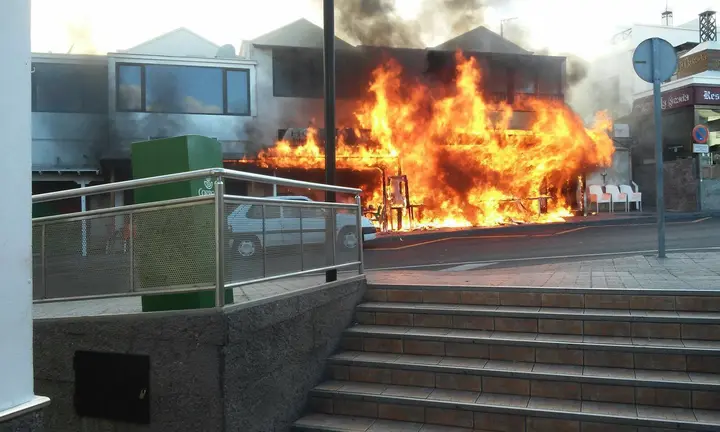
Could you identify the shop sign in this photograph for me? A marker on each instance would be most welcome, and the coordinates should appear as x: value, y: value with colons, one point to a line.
x: 708, y: 60
x: 707, y: 95
x: 672, y: 99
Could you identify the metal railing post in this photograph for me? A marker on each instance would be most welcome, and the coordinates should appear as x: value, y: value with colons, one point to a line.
x: 131, y: 249
x: 302, y: 243
x: 43, y: 261
x: 219, y: 242
x: 264, y: 241
x: 333, y: 227
x: 361, y: 237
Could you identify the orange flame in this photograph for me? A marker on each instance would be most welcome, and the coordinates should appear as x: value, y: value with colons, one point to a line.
x: 465, y: 166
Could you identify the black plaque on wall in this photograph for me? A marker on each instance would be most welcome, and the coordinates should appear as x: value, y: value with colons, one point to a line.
x: 112, y: 386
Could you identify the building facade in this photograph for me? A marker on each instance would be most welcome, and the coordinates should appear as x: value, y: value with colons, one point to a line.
x: 87, y: 110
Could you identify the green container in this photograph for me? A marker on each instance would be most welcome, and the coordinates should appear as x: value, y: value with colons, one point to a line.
x: 175, y: 247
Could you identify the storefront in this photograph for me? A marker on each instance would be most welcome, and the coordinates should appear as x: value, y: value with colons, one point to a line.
x: 692, y: 180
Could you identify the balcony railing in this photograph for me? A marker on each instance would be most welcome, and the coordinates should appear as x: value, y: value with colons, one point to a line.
x: 212, y: 241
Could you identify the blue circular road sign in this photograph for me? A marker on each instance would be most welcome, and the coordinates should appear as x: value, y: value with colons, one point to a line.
x: 700, y: 134
x: 655, y: 56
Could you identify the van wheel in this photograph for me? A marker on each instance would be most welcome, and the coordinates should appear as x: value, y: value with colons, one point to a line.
x: 247, y: 247
x: 348, y: 238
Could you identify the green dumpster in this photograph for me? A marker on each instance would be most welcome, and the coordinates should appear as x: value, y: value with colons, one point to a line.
x: 174, y: 247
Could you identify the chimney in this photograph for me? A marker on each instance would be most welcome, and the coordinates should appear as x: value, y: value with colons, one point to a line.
x: 667, y: 18
x: 708, y: 26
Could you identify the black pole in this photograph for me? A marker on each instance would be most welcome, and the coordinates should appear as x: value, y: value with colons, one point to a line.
x: 329, y: 63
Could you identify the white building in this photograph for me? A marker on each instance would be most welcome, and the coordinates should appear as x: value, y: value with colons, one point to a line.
x: 612, y: 83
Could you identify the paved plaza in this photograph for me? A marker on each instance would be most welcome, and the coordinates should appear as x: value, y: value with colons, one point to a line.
x: 699, y: 270
x: 679, y: 270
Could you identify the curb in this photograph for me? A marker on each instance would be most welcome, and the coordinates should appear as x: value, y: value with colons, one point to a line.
x: 409, y: 238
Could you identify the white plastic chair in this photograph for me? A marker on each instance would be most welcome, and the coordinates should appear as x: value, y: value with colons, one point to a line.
x: 597, y: 196
x: 634, y: 196
x: 617, y: 197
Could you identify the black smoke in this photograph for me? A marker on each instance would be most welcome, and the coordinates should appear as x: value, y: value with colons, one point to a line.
x: 377, y: 22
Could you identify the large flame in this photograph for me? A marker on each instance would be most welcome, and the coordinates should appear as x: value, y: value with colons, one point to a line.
x: 464, y: 165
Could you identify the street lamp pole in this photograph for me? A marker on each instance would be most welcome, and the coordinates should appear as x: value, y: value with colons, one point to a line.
x: 329, y: 65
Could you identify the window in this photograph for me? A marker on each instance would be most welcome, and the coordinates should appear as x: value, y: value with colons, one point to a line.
x: 271, y: 212
x: 129, y: 88
x: 550, y: 81
x: 176, y: 89
x: 238, y: 92
x: 183, y: 90
x: 524, y: 81
x: 298, y: 73
x: 496, y: 79
x: 291, y: 212
x: 69, y: 88
x: 313, y: 212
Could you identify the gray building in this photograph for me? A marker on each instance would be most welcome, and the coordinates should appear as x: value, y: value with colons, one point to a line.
x: 87, y: 110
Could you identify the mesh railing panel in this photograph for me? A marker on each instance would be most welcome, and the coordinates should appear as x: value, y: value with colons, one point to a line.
x: 274, y: 239
x: 168, y: 246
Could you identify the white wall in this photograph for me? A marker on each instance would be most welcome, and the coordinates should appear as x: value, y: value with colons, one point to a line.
x: 618, y: 64
x: 179, y: 43
x: 16, y: 361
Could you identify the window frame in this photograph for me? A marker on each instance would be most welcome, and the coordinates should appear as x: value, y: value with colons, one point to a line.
x: 143, y: 89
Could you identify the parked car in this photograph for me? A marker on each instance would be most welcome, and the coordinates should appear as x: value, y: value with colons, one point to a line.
x: 283, y: 227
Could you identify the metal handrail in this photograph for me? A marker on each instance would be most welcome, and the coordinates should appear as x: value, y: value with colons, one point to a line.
x: 190, y: 175
x: 117, y: 211
x: 286, y: 202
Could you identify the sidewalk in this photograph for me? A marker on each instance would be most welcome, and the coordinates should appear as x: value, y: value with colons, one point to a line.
x: 699, y: 270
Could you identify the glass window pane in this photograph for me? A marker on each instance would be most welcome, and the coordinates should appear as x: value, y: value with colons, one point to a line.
x: 183, y: 89
x: 129, y: 90
x: 69, y: 88
x: 524, y: 82
x: 238, y: 92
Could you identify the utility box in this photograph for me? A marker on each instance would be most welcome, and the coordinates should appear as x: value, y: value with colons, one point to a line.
x: 174, y: 247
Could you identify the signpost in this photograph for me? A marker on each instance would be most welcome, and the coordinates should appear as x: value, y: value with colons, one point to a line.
x: 655, y: 61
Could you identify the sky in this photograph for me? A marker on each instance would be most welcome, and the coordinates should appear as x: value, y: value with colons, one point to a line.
x: 581, y: 27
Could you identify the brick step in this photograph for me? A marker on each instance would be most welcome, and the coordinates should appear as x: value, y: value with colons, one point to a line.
x: 603, y: 351
x: 337, y: 423
x: 575, y: 321
x: 691, y: 300
x: 488, y: 411
x: 594, y: 384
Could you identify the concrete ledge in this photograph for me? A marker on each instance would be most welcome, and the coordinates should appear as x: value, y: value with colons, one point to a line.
x: 27, y: 417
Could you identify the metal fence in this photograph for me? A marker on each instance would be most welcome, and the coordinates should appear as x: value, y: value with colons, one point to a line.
x: 212, y: 241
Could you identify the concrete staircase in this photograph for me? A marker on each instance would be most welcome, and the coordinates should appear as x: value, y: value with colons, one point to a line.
x: 436, y: 358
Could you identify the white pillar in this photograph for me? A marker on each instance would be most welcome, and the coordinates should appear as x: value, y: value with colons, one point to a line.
x: 16, y: 367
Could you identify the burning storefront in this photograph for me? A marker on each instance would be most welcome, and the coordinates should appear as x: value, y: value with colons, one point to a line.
x: 465, y: 140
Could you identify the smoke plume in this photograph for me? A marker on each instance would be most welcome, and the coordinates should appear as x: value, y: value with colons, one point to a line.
x: 377, y: 22
x: 79, y: 35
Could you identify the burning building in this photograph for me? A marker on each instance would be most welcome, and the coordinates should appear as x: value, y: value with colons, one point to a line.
x: 445, y: 138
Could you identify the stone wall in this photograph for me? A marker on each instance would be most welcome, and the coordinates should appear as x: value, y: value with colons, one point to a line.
x: 276, y: 352
x: 681, y: 185
x: 31, y: 422
x: 245, y: 368
x: 185, y: 382
x: 710, y: 194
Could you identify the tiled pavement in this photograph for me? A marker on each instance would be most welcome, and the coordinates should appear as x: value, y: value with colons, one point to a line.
x: 698, y: 270
x: 687, y: 270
